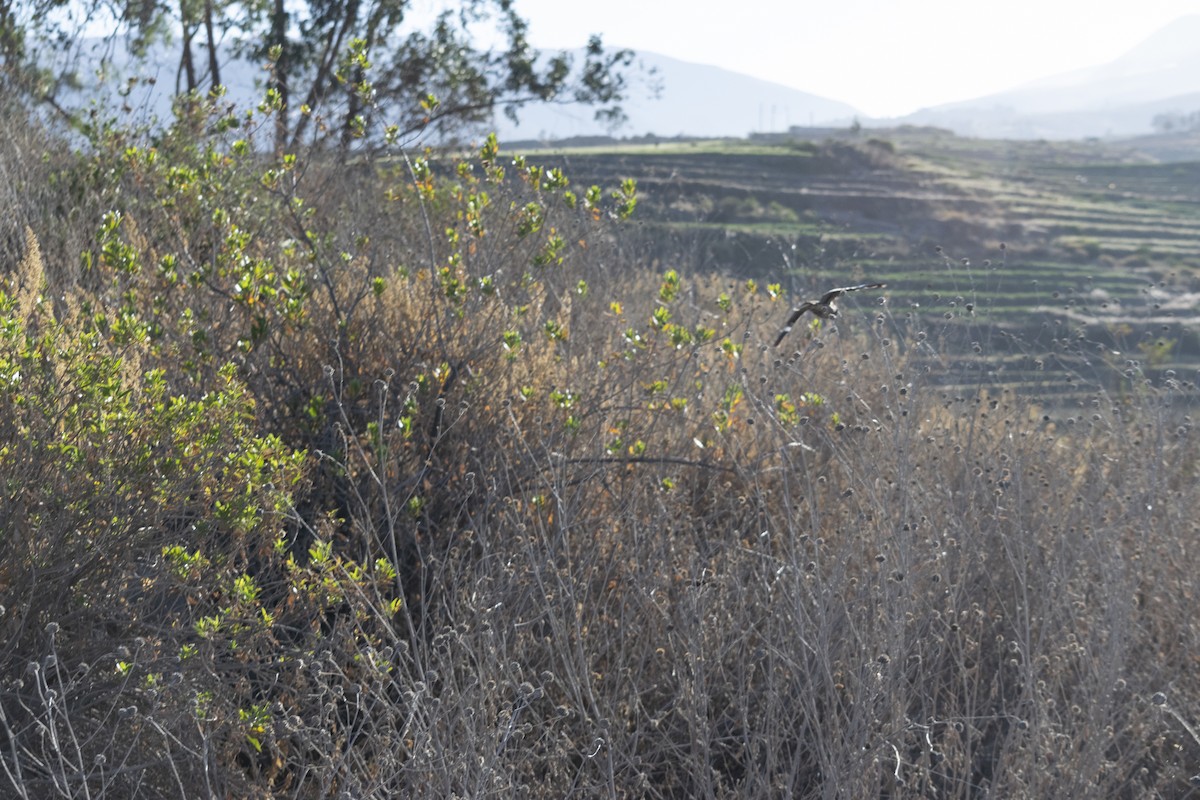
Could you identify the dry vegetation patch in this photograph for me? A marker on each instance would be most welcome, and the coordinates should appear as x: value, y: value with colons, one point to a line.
x: 413, y: 479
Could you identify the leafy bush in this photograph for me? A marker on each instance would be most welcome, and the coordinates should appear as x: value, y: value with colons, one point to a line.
x: 112, y: 486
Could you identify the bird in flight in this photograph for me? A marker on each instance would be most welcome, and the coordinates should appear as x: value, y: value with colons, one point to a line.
x: 825, y: 308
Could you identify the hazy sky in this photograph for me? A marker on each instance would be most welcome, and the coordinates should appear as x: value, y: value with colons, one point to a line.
x: 885, y: 57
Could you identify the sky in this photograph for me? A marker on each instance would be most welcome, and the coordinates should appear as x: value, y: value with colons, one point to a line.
x: 884, y: 57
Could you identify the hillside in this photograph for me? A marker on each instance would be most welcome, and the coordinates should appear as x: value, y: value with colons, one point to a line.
x: 1116, y: 99
x: 669, y: 97
x: 475, y: 474
x: 1071, y: 260
x: 665, y: 97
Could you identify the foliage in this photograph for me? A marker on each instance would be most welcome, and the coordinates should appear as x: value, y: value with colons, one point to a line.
x: 412, y: 477
x: 1169, y: 122
x: 340, y: 73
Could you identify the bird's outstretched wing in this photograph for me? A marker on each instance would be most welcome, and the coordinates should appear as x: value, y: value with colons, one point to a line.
x: 797, y: 312
x: 835, y: 293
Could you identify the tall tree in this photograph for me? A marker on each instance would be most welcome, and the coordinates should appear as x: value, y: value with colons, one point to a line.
x: 341, y: 68
x: 351, y: 63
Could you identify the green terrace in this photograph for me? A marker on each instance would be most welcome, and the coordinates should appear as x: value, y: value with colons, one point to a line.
x: 1033, y: 239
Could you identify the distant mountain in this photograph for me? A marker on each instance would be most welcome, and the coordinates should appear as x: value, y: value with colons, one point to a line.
x: 667, y: 97
x: 1117, y: 99
x: 680, y: 97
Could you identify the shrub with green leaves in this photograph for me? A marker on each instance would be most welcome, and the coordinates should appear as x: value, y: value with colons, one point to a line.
x: 109, y: 476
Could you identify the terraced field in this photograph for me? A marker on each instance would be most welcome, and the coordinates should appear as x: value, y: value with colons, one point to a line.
x: 1057, y: 269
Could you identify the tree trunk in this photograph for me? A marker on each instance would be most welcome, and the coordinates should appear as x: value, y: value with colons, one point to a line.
x: 214, y: 67
x: 280, y: 80
x: 186, y: 66
x: 327, y: 65
x: 188, y: 30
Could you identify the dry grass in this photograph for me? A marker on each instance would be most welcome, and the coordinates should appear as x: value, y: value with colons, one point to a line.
x: 614, y: 560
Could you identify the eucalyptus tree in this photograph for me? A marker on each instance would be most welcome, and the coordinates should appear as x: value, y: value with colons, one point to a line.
x: 336, y: 71
x: 338, y: 66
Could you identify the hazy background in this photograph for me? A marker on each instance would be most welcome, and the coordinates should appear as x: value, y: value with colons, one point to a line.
x: 885, y: 58
x: 1062, y: 70
x: 1033, y: 70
